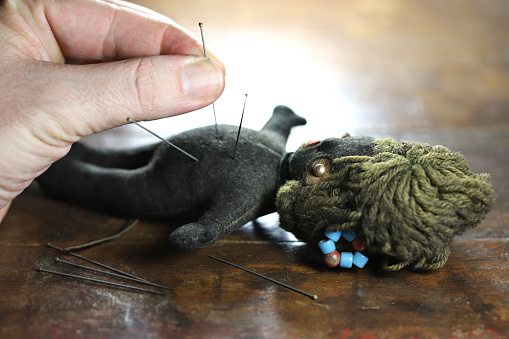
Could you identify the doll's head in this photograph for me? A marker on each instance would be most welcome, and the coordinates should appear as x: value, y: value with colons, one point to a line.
x: 407, y: 199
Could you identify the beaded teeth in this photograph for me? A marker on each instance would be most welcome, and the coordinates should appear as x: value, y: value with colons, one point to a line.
x: 344, y: 259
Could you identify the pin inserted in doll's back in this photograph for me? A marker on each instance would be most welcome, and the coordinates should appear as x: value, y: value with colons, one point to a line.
x: 215, y: 118
x: 205, y: 55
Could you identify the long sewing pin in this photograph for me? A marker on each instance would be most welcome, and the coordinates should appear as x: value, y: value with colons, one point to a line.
x: 240, y: 126
x: 162, y: 139
x: 43, y: 270
x: 202, y: 39
x: 58, y: 260
x: 205, y: 55
x: 94, y: 262
x: 127, y: 227
x: 312, y: 296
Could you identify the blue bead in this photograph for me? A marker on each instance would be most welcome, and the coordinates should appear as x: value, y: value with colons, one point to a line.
x: 359, y: 259
x: 346, y: 260
x: 334, y: 236
x: 350, y: 236
x: 327, y: 246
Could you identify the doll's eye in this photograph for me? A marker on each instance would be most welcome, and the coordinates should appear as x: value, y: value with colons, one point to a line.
x: 319, y: 170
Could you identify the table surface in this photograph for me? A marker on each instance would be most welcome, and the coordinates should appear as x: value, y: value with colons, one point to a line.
x: 433, y: 71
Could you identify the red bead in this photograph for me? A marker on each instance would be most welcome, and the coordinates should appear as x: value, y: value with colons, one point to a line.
x: 332, y: 259
x: 359, y: 244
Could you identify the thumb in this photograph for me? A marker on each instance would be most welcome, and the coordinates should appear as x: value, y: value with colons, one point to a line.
x: 102, y: 96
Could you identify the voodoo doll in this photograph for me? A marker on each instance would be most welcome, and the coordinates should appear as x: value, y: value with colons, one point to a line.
x: 406, y: 200
x: 217, y: 193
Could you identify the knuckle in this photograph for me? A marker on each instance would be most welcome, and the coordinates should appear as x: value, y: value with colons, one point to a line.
x: 144, y: 85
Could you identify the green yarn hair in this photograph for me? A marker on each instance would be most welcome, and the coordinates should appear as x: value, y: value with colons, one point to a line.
x: 407, y: 199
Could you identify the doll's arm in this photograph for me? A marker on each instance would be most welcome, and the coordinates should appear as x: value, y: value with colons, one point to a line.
x: 226, y: 215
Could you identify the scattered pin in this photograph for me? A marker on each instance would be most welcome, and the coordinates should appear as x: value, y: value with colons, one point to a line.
x: 162, y: 139
x: 312, y: 296
x: 127, y: 227
x: 240, y: 126
x: 205, y: 55
x: 58, y: 260
x: 43, y: 270
x: 95, y: 263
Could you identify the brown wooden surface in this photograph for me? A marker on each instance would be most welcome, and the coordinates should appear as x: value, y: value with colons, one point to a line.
x: 433, y: 71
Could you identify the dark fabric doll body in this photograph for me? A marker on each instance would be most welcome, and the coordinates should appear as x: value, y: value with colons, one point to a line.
x: 219, y: 193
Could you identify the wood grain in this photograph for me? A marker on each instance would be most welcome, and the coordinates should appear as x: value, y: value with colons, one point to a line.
x: 433, y: 71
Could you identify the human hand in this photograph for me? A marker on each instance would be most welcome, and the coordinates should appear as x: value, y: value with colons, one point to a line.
x: 71, y: 68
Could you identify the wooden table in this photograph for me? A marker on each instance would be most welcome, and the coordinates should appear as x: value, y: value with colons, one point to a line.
x: 434, y: 71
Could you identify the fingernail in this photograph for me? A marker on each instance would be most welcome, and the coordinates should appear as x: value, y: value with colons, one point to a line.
x: 201, y: 80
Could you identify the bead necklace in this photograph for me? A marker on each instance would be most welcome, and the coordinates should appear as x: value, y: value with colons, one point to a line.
x: 346, y: 259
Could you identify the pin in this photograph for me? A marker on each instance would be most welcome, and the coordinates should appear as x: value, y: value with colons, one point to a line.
x: 58, y: 260
x: 95, y: 262
x: 127, y: 227
x: 312, y: 296
x: 240, y: 126
x: 205, y: 55
x: 162, y: 139
x: 43, y: 270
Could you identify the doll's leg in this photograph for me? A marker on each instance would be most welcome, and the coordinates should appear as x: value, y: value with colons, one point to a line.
x: 123, y: 158
x: 281, y: 123
x: 107, y: 189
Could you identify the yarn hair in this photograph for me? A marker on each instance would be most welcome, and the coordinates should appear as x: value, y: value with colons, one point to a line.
x: 408, y: 200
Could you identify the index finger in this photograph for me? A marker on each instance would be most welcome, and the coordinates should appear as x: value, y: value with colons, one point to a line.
x: 115, y: 30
